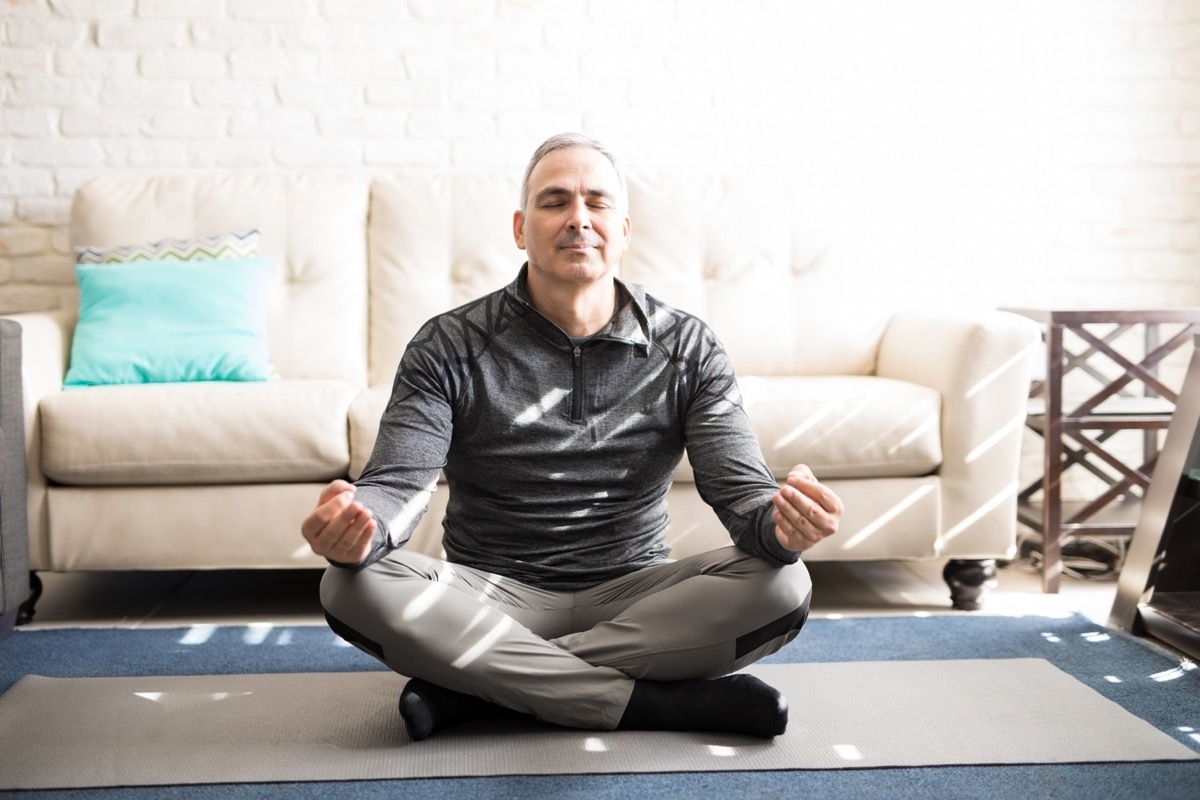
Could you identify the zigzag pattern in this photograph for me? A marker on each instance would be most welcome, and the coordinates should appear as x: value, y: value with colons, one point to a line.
x: 240, y: 244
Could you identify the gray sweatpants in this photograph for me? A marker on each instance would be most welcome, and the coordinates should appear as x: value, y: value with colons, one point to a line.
x: 567, y: 657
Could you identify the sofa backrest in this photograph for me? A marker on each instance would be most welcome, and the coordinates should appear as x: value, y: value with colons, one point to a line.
x: 313, y: 229
x: 744, y: 253
x: 437, y: 240
x: 360, y: 264
x: 747, y: 254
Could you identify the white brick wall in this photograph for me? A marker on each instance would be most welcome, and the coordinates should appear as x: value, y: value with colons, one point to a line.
x: 996, y: 152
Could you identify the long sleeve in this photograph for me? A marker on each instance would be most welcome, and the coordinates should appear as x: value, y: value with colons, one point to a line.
x: 410, y: 451
x: 730, y: 472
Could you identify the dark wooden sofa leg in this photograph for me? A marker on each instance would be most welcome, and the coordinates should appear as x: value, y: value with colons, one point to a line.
x: 25, y: 612
x: 968, y: 581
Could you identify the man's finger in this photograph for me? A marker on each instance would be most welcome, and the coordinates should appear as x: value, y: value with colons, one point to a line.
x: 325, y: 513
x: 334, y: 489
x: 818, y: 492
x: 355, y: 541
x: 802, y: 471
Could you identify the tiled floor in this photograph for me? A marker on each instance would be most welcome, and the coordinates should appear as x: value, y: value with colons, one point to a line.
x: 290, y: 597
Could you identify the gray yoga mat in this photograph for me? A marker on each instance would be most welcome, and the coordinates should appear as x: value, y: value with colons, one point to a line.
x: 91, y: 732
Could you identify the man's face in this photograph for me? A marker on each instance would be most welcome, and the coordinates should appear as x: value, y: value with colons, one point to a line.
x: 573, y: 227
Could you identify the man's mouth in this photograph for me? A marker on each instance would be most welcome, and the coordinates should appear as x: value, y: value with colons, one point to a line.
x: 577, y: 244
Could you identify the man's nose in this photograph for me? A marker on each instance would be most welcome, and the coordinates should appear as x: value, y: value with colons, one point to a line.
x: 581, y: 218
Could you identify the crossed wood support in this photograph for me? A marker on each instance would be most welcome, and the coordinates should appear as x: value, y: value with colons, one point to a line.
x: 1079, y: 434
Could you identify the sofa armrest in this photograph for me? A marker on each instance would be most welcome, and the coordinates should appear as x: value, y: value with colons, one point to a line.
x: 982, y: 365
x: 45, y: 352
x: 14, y: 525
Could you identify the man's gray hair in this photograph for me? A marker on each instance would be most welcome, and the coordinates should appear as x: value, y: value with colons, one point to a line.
x: 562, y: 141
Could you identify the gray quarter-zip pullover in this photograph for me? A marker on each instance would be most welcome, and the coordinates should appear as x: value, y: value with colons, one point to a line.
x: 559, y: 455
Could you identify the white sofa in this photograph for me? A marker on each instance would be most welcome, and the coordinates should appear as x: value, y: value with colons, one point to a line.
x: 913, y: 417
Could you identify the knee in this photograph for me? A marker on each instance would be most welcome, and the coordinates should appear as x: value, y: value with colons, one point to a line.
x: 790, y: 596
x: 346, y: 597
x: 782, y: 589
x: 787, y: 596
x: 336, y: 585
x: 795, y: 591
x: 799, y: 582
x: 337, y: 598
x: 788, y: 588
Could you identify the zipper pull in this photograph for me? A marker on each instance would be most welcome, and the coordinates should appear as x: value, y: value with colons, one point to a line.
x: 577, y: 386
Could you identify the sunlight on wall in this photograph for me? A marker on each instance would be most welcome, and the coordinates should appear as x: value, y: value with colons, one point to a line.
x: 961, y: 146
x: 930, y: 127
x: 1012, y: 152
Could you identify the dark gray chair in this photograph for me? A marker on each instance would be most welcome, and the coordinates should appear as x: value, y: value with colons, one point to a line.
x: 14, y: 528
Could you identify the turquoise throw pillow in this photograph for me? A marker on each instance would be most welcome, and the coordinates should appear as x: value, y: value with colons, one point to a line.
x: 171, y: 321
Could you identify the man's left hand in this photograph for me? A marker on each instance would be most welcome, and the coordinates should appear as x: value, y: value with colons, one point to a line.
x: 806, y: 511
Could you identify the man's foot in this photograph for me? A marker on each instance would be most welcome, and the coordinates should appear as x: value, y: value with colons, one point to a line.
x: 427, y: 707
x: 733, y: 704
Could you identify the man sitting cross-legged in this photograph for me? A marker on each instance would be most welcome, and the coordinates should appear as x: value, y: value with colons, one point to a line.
x: 558, y: 409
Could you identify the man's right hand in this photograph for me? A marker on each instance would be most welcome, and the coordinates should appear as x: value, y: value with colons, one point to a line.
x: 339, y: 528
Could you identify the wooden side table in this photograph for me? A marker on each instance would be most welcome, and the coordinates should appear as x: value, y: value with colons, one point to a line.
x: 1131, y: 396
x: 1158, y: 590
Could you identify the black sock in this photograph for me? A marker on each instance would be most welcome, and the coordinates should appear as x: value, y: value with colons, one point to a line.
x: 427, y: 707
x: 733, y: 704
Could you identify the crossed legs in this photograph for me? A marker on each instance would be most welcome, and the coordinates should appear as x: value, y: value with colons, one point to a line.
x: 605, y: 657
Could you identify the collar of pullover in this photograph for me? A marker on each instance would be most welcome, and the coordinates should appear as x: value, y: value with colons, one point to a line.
x: 630, y: 324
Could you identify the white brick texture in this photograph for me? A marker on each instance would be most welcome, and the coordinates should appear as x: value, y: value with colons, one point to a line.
x: 998, y: 152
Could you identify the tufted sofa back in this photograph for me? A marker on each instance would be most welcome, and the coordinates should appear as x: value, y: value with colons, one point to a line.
x: 744, y: 253
x: 748, y: 255
x: 360, y: 264
x: 436, y: 241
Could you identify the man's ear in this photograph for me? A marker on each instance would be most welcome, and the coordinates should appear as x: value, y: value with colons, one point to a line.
x: 519, y: 228
x: 627, y: 228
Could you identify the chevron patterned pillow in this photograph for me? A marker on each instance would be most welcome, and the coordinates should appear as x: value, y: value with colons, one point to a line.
x: 241, y: 244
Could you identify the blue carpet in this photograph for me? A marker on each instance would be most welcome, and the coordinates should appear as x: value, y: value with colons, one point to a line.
x: 1145, y: 679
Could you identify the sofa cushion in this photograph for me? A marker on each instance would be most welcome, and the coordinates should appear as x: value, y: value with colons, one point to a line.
x: 163, y: 321
x: 192, y: 433
x: 436, y: 241
x: 843, y: 426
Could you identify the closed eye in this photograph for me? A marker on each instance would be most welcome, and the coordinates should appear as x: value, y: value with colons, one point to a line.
x: 558, y: 197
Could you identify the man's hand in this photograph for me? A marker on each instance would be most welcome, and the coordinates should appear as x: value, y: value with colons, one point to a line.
x: 805, y: 511
x: 339, y: 528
